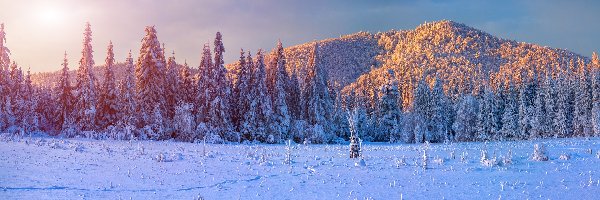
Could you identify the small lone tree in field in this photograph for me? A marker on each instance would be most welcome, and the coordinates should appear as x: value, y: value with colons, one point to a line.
x: 355, y: 142
x: 539, y: 153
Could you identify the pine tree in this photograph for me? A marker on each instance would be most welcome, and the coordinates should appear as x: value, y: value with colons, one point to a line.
x: 526, y: 108
x: 240, y: 90
x: 261, y: 102
x: 171, y: 87
x: 439, y: 113
x: 281, y: 117
x: 510, y: 117
x: 4, y: 80
x: 485, y: 117
x: 247, y: 112
x: 421, y: 112
x: 539, y: 123
x: 219, y: 91
x: 596, y: 94
x: 466, y: 116
x: 65, y: 101
x: 127, y: 96
x: 293, y: 97
x: 28, y: 116
x: 317, y: 102
x: 108, y: 104
x: 85, y: 89
x: 550, y: 93
x: 583, y: 99
x: 562, y: 121
x: 202, y: 94
x: 390, y: 114
x: 186, y: 92
x: 150, y: 76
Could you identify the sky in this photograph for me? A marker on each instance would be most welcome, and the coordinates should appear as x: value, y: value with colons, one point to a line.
x: 40, y: 31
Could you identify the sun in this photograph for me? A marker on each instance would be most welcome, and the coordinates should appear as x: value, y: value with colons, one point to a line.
x: 50, y: 15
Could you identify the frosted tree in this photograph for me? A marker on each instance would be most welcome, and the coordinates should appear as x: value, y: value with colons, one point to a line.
x: 27, y: 104
x: 583, y: 102
x: 171, y: 87
x: 563, y: 122
x: 261, y: 103
x: 421, y: 112
x: 540, y: 126
x: 65, y: 101
x: 439, y: 113
x: 186, y: 92
x: 4, y: 79
x: 247, y: 114
x: 526, y: 108
x: 127, y: 96
x: 317, y: 102
x: 466, y: 116
x: 108, y: 103
x: 281, y: 116
x: 202, y: 94
x: 85, y: 88
x: 485, y: 116
x: 293, y: 96
x: 183, y: 122
x: 389, y: 120
x: 596, y: 94
x: 150, y: 76
x: 219, y: 91
x: 550, y: 93
x: 240, y: 91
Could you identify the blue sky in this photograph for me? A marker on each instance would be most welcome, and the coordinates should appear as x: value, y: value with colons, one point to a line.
x: 38, y: 32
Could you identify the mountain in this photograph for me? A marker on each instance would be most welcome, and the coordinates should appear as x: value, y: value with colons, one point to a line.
x: 463, y: 58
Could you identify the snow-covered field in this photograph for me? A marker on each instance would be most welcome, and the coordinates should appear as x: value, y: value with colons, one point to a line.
x: 54, y: 168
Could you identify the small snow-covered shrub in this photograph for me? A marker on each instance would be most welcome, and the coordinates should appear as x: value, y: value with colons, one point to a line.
x: 161, y: 157
x: 539, y: 153
x: 400, y: 161
x: 508, y: 159
x: 438, y: 160
x: 424, y: 159
x: 487, y: 161
x: 565, y: 156
x: 288, y: 153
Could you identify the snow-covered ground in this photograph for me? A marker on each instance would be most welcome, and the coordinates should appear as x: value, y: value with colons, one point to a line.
x: 54, y: 168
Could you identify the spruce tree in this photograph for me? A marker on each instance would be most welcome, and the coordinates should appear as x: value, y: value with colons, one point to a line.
x: 390, y: 113
x: 261, y: 101
x: 150, y: 76
x: 466, y: 116
x: 220, y: 91
x: 595, y: 66
x: 65, y: 101
x: 510, y: 117
x: 421, y: 112
x: 202, y: 94
x: 108, y: 103
x: 317, y: 102
x: 85, y: 89
x: 281, y: 117
x: 186, y: 92
x: 171, y: 87
x: 127, y: 96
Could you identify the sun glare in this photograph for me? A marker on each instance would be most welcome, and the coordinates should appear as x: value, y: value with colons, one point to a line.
x: 50, y: 16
